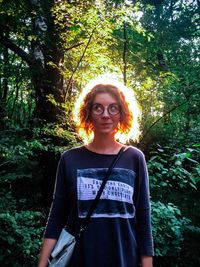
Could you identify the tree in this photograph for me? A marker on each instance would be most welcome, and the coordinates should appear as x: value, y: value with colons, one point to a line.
x: 28, y: 30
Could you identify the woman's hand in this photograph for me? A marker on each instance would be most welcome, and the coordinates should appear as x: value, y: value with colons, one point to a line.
x: 47, y: 247
x: 146, y: 261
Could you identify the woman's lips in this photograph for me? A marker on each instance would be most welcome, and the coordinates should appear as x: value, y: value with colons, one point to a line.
x: 106, y: 123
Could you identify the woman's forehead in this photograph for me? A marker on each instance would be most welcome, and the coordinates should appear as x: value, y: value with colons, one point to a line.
x: 104, y: 98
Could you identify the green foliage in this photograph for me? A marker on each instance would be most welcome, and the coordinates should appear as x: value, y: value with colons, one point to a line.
x: 168, y: 229
x: 174, y: 181
x: 172, y: 237
x: 20, y: 220
x: 22, y: 216
x: 58, y: 137
x: 173, y: 169
x: 155, y: 46
x: 20, y: 237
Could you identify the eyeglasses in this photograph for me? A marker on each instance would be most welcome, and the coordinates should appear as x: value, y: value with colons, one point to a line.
x: 113, y: 109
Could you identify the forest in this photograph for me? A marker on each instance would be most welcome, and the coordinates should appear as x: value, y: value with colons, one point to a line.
x: 49, y: 50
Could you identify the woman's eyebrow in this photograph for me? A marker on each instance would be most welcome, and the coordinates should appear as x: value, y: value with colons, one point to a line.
x: 102, y: 104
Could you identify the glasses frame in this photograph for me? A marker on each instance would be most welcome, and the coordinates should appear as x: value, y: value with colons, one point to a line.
x: 108, y: 107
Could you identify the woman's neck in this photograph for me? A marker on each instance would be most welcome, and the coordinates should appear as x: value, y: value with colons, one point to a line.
x: 104, y: 145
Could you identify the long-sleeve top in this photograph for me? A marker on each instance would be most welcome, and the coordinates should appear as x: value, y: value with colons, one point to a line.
x: 119, y: 231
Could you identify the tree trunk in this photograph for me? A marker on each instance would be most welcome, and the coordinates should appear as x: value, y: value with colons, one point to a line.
x: 48, y: 83
x: 4, y: 88
x: 48, y: 54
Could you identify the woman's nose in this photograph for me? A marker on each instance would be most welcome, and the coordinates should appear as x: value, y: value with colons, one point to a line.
x: 105, y: 112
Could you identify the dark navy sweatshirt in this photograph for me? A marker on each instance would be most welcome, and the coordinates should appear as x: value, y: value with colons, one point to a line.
x: 119, y: 231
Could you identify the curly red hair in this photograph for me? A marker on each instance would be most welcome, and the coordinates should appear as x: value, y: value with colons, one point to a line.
x: 128, y: 124
x: 85, y: 109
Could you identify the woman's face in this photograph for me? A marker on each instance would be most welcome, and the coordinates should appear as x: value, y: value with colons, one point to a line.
x: 105, y: 114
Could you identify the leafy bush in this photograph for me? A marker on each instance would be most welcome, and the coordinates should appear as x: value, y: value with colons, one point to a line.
x: 168, y: 229
x: 23, y: 154
x: 173, y: 169
x: 20, y: 238
x: 20, y: 222
x: 172, y: 237
x: 174, y: 182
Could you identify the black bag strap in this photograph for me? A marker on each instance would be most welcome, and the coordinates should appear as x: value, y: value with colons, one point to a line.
x: 94, y: 203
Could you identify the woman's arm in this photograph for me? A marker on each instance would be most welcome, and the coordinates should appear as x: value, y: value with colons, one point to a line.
x: 57, y: 216
x: 143, y: 215
x: 146, y: 261
x: 47, y: 247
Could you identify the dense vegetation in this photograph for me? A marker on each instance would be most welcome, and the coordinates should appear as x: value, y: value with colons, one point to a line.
x: 49, y: 50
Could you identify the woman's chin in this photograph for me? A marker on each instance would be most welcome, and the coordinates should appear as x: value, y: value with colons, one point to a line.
x: 105, y: 132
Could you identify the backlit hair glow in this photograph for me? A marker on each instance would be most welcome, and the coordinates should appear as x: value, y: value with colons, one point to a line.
x: 128, y: 127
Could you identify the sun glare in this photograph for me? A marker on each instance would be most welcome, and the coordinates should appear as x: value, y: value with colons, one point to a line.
x: 112, y: 79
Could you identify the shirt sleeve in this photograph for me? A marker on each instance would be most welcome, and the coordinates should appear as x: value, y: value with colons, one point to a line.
x: 58, y: 212
x: 143, y: 211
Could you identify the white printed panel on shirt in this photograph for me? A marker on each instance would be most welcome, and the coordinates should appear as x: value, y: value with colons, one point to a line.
x: 113, y: 190
x: 117, y: 197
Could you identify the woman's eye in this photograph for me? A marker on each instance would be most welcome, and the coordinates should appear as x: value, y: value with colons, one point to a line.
x: 97, y: 108
x: 114, y: 108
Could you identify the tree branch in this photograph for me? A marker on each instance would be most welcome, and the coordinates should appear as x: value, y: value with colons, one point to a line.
x: 169, y: 111
x: 73, y: 46
x: 124, y: 53
x: 78, y: 63
x: 17, y: 50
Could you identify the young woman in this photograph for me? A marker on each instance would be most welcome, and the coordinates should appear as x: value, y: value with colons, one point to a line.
x: 119, y: 231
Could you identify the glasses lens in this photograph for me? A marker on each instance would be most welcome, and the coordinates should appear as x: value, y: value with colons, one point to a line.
x: 113, y: 109
x: 97, y: 109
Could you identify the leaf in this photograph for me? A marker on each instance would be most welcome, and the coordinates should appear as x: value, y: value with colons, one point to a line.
x: 192, y: 160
